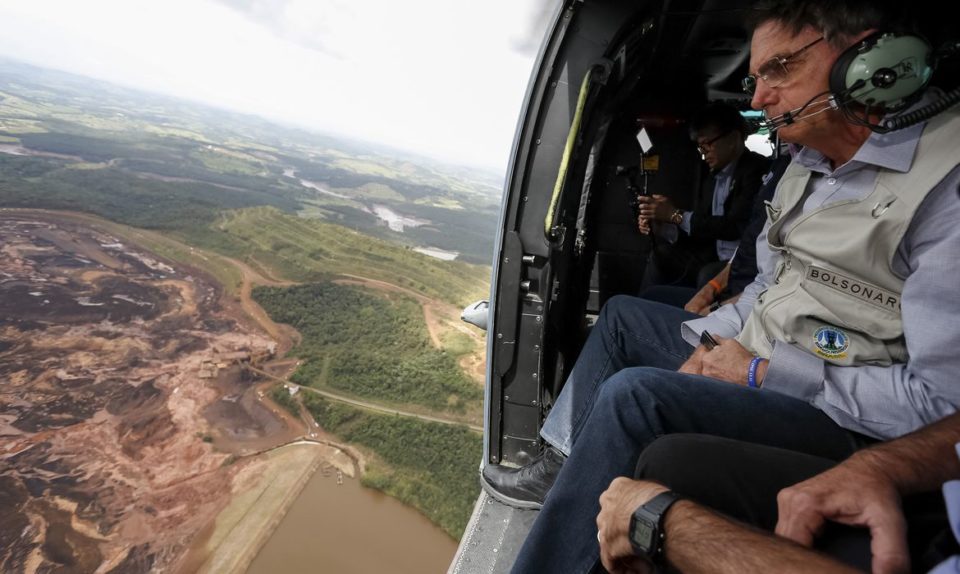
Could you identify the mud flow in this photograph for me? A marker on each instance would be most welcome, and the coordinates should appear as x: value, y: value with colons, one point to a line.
x: 124, y: 405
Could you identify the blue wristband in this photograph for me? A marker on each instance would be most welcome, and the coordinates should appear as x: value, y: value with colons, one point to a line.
x: 752, y: 372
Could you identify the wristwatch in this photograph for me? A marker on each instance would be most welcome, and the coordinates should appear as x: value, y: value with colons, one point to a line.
x: 646, y: 525
x: 676, y: 217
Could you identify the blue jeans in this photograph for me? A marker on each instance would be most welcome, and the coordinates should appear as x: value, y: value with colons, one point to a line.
x: 610, y: 425
x: 630, y: 332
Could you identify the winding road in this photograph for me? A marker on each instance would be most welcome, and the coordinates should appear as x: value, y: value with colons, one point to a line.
x: 366, y: 405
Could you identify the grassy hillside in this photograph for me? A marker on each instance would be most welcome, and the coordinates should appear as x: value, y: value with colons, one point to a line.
x: 369, y: 345
x: 308, y: 250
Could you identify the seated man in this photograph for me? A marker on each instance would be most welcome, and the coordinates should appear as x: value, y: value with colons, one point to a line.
x: 700, y: 242
x: 857, y: 511
x: 850, y: 327
x: 739, y: 271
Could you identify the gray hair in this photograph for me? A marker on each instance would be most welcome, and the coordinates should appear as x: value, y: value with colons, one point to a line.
x: 838, y: 20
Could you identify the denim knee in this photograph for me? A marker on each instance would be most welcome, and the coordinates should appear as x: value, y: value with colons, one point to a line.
x: 623, y: 385
x: 614, y: 308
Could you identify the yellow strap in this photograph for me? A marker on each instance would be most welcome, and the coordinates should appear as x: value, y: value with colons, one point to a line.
x: 567, y: 152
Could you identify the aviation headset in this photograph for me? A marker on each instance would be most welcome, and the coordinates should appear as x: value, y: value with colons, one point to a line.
x: 886, y: 72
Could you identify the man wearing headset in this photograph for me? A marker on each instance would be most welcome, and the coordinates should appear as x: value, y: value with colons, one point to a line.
x: 850, y: 333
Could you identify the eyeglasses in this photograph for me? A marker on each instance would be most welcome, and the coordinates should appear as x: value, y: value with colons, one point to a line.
x: 774, y: 71
x: 707, y: 145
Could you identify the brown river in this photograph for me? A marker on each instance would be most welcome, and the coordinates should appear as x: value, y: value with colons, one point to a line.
x: 347, y: 529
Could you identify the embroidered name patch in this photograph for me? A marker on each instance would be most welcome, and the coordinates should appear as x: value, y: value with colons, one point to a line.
x: 831, y: 343
x: 861, y: 290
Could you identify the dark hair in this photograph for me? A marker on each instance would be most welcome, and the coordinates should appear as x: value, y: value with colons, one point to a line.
x: 837, y: 20
x: 723, y: 117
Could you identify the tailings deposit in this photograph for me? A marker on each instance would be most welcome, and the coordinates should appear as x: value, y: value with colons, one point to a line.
x: 114, y: 452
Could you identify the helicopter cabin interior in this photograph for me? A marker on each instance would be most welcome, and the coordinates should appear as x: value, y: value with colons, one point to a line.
x: 605, y: 118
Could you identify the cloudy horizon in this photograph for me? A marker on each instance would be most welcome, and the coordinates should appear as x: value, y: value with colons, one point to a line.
x: 368, y: 69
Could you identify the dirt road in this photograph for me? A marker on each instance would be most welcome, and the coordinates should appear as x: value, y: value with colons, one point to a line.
x: 367, y: 405
x: 285, y: 336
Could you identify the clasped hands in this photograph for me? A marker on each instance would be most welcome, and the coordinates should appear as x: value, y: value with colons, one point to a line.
x: 856, y: 492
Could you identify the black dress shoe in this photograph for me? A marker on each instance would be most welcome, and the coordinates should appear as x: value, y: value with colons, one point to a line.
x: 523, y: 487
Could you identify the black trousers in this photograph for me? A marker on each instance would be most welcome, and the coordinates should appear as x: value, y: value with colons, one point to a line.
x: 742, y: 480
x: 680, y: 265
x: 669, y: 295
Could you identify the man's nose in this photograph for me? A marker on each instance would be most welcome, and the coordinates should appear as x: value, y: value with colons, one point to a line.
x: 763, y: 96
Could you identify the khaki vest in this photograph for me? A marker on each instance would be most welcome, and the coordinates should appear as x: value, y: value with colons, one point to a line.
x: 834, y: 291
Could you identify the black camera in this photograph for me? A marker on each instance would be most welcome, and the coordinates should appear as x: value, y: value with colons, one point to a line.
x: 634, y: 192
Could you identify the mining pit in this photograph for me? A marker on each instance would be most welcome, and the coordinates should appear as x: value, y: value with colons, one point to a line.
x: 125, y: 408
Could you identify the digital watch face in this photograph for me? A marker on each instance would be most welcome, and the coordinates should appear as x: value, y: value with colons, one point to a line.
x: 642, y: 534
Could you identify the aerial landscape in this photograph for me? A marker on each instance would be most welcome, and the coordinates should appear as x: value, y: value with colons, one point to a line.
x: 206, y: 315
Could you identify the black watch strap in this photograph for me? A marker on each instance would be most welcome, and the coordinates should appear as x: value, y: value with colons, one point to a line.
x: 660, y: 503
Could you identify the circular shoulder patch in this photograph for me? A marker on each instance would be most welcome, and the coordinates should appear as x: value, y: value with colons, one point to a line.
x: 831, y: 342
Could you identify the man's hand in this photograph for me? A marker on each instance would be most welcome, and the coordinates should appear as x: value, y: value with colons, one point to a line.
x: 643, y: 224
x: 729, y: 361
x: 856, y: 493
x: 694, y: 364
x: 701, y: 302
x: 656, y: 207
x: 617, y: 504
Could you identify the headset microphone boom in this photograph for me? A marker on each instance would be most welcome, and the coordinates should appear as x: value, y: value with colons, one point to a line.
x: 878, y: 76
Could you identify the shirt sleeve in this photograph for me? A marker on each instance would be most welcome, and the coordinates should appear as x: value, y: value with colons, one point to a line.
x: 887, y: 402
x: 685, y: 223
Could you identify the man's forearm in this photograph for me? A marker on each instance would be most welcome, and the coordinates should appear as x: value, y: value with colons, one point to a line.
x: 724, y: 276
x: 920, y: 461
x: 701, y: 541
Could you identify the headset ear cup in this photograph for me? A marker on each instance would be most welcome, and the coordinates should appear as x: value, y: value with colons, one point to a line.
x: 884, y: 71
x: 838, y: 73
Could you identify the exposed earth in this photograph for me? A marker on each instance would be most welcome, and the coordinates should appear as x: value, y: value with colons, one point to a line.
x: 125, y: 413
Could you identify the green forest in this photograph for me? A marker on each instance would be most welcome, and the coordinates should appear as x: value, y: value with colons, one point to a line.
x: 121, y: 196
x: 430, y: 466
x: 368, y: 345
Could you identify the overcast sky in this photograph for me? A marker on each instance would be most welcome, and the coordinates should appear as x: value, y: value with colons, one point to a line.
x: 444, y: 78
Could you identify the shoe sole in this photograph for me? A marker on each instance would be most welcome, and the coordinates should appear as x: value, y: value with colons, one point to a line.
x: 502, y: 498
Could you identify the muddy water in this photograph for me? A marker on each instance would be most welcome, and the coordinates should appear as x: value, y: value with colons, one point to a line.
x: 349, y: 529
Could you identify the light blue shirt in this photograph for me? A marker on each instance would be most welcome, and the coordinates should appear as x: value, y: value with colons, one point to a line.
x: 882, y: 402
